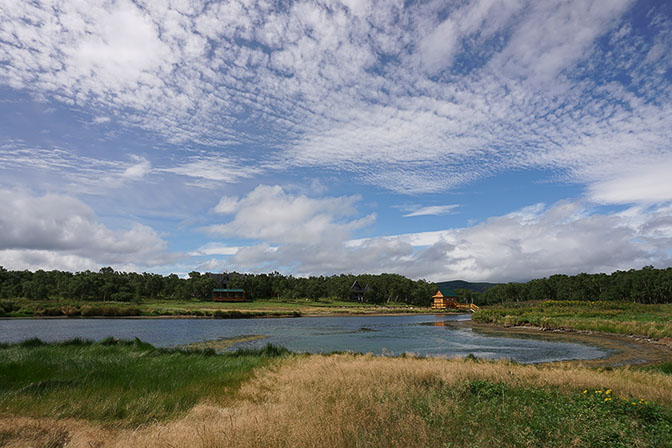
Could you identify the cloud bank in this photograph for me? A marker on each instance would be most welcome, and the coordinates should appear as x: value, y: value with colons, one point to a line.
x: 306, y: 238
x: 61, y: 232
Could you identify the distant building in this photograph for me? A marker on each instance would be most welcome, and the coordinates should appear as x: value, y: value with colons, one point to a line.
x: 444, y: 298
x: 228, y: 295
x: 357, y: 292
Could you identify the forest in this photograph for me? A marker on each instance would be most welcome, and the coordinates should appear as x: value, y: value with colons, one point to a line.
x: 110, y: 285
x: 646, y: 285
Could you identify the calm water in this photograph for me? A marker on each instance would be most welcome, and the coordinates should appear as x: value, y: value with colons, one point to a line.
x: 422, y: 335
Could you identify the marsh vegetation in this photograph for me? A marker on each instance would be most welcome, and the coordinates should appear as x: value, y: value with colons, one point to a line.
x: 128, y: 382
x: 653, y: 321
x: 271, y: 398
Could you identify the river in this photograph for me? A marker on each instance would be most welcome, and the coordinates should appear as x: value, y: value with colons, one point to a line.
x: 426, y: 335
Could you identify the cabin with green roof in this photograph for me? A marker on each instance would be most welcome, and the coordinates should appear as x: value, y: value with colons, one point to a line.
x: 444, y: 298
x: 228, y: 295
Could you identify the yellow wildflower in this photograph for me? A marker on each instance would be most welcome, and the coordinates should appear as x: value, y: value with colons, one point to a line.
x: 608, y: 391
x: 585, y: 391
x: 607, y: 399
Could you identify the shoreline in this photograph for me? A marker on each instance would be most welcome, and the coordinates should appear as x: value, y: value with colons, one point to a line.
x: 270, y: 315
x: 624, y: 350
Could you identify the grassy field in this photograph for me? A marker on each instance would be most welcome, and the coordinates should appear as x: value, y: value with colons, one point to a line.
x: 95, y: 394
x: 653, y: 321
x: 196, y: 308
x: 128, y: 382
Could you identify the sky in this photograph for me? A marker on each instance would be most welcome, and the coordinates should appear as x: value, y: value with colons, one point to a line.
x: 499, y: 140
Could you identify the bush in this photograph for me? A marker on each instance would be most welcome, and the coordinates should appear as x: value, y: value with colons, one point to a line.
x: 128, y: 311
x: 49, y: 311
x: 7, y: 306
x: 123, y: 297
x: 109, y: 311
x: 70, y: 311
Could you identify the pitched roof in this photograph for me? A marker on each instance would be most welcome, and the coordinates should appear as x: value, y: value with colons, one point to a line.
x: 447, y: 292
x: 356, y: 287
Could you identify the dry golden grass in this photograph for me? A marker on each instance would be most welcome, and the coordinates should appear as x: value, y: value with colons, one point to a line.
x: 340, y: 401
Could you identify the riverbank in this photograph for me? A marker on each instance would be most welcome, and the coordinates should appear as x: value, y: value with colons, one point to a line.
x: 24, y: 308
x: 622, y: 350
x: 624, y: 318
x: 338, y: 400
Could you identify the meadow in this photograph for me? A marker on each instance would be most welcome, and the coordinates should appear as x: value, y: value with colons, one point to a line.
x: 120, y: 394
x: 625, y: 318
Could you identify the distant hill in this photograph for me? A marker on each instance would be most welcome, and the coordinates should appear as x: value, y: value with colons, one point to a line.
x: 461, y: 284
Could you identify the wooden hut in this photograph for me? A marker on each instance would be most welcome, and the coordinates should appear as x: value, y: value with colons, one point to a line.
x: 357, y: 292
x: 228, y: 295
x: 444, y: 298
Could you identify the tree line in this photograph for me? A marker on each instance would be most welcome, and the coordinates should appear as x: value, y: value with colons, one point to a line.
x: 110, y: 285
x: 646, y: 285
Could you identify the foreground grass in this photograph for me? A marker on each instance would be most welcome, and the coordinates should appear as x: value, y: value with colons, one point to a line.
x: 195, y: 308
x: 127, y: 382
x: 346, y: 400
x: 653, y: 321
x: 361, y: 400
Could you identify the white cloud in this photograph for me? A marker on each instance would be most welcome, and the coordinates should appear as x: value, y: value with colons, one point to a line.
x: 553, y: 36
x: 38, y: 164
x: 214, y: 168
x: 101, y: 120
x: 439, y: 47
x: 436, y: 210
x: 215, y: 249
x: 119, y: 45
x: 38, y: 230
x: 226, y: 205
x: 138, y: 170
x: 643, y: 181
x: 270, y: 214
x: 20, y: 259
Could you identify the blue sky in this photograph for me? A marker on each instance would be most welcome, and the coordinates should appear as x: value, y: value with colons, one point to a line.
x: 481, y: 140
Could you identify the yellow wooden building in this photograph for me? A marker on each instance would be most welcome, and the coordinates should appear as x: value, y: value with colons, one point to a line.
x: 444, y: 298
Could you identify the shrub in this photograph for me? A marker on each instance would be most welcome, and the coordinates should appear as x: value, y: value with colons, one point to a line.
x: 7, y: 306
x: 128, y: 311
x: 70, y: 311
x: 123, y: 297
x: 49, y: 311
x: 109, y: 311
